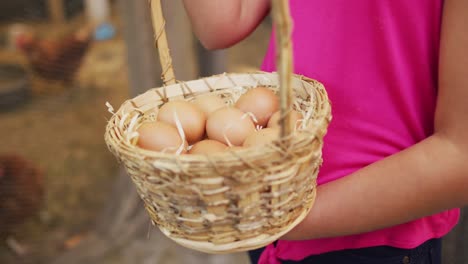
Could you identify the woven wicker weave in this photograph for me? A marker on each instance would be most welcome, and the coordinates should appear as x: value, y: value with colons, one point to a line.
x: 235, y: 200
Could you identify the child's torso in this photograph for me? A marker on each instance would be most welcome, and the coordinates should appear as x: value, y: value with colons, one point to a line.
x: 378, y: 60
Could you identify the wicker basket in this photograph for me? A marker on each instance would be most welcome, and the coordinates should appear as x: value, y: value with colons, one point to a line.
x: 236, y: 200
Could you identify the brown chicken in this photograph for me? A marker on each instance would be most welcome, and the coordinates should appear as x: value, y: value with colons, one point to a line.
x: 55, y: 59
x: 21, y: 191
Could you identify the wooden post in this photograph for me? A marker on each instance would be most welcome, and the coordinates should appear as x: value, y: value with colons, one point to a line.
x: 211, y: 62
x: 181, y: 42
x: 143, y: 67
x: 56, y: 11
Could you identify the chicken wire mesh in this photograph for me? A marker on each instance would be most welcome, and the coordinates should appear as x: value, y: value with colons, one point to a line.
x: 55, y: 75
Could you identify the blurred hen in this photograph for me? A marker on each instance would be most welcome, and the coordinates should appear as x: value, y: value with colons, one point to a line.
x: 21, y: 191
x: 55, y: 59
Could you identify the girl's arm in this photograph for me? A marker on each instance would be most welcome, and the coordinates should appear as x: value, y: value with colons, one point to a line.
x: 222, y: 23
x: 424, y: 179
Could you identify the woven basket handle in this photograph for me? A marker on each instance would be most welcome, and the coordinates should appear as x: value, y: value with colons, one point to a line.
x: 160, y: 37
x: 282, y: 21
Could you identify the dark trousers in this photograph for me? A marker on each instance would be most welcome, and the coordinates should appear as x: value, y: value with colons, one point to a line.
x: 427, y: 253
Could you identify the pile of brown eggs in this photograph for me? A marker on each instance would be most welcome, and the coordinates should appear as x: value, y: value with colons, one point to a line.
x: 208, y: 125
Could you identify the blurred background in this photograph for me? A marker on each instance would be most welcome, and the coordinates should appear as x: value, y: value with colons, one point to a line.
x: 63, y: 197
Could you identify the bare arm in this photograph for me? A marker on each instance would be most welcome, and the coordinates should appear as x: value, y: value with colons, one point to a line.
x: 424, y: 179
x: 222, y: 23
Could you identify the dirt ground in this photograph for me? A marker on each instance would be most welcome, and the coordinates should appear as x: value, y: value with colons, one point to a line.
x: 63, y: 135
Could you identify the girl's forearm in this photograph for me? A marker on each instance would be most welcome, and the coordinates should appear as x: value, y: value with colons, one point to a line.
x: 222, y: 23
x: 427, y: 178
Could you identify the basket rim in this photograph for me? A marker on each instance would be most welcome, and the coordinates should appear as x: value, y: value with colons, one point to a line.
x: 322, y: 121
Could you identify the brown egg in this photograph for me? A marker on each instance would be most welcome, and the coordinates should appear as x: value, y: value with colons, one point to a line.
x: 229, y: 124
x: 207, y: 146
x: 209, y: 103
x: 262, y: 137
x: 295, y: 117
x: 260, y: 101
x: 159, y: 136
x: 191, y: 118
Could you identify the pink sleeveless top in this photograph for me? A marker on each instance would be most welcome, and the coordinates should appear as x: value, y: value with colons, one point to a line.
x: 378, y: 61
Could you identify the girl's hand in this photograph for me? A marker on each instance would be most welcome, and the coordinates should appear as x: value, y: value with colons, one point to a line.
x: 222, y: 23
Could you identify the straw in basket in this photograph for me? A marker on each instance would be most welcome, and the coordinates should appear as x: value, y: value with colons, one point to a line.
x: 235, y: 200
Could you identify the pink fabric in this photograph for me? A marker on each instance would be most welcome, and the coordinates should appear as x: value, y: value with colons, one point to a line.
x: 378, y: 61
